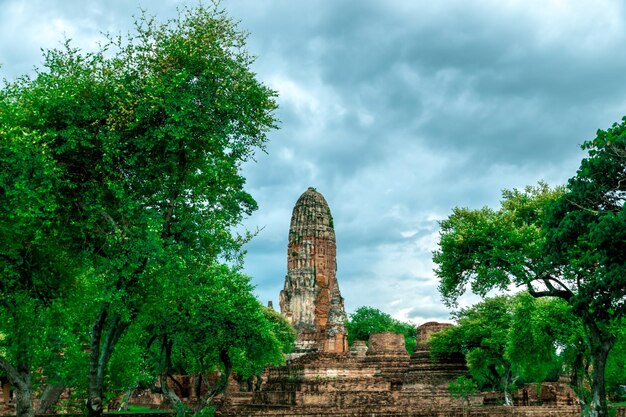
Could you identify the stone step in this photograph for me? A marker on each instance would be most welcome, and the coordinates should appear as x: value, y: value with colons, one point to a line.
x: 415, y: 412
x: 240, y: 398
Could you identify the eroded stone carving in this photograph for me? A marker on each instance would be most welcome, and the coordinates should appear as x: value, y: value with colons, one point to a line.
x: 311, y: 299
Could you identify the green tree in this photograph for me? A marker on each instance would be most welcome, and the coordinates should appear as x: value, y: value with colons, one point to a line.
x: 36, y: 276
x: 481, y: 336
x: 569, y: 244
x: 281, y: 328
x: 367, y: 320
x: 463, y: 388
x: 544, y: 337
x: 510, y: 340
x: 216, y: 324
x: 146, y: 139
x: 586, y: 249
x: 285, y: 334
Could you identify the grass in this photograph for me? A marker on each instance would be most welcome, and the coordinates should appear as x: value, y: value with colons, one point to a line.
x: 136, y: 409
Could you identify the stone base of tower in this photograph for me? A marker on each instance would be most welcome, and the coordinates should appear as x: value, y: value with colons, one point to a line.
x: 301, y: 348
x: 338, y: 344
x: 313, y: 343
x: 360, y: 382
x: 381, y: 380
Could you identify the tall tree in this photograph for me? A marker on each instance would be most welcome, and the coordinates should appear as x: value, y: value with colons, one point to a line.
x: 508, y: 340
x: 148, y: 136
x: 569, y: 244
x: 214, y: 325
x: 586, y: 249
x: 35, y: 276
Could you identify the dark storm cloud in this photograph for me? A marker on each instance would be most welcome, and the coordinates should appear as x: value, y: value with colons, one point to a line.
x: 462, y: 76
x: 26, y: 27
x: 396, y: 111
x: 421, y: 106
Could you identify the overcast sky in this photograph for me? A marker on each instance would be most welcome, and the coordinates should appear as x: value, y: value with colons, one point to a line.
x: 396, y: 111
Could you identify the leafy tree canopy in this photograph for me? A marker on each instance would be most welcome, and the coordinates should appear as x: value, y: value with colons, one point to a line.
x: 508, y: 341
x: 568, y: 243
x: 367, y: 320
x: 129, y: 159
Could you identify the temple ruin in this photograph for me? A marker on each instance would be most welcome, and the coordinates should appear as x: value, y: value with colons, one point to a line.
x: 311, y: 299
x: 378, y: 378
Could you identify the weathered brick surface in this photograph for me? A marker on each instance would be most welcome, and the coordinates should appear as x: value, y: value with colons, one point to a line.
x: 415, y: 412
x: 383, y: 382
x: 311, y: 299
x: 358, y: 348
x: 386, y: 343
x: 425, y: 330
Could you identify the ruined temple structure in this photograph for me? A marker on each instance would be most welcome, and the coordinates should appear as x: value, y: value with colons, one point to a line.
x: 378, y: 378
x: 311, y: 299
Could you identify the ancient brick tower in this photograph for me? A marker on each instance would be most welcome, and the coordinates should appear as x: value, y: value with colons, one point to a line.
x: 311, y: 300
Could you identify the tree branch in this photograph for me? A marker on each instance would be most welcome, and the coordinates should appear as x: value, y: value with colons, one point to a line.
x: 116, y: 328
x: 163, y: 389
x: 175, y: 381
x: 560, y: 294
x: 572, y: 202
x: 49, y: 397
x: 11, y: 371
x: 565, y: 293
x: 222, y: 383
x: 565, y: 287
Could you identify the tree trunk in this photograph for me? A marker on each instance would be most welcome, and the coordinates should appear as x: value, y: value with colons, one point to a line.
x: 600, y: 344
x: 20, y: 381
x: 19, y: 377
x: 125, y: 398
x: 170, y: 393
x: 506, y: 383
x: 198, y: 387
x: 49, y: 397
x: 95, y: 389
x: 598, y: 404
x: 222, y: 383
x: 24, y: 402
x: 579, y: 375
x: 105, y: 334
x: 228, y: 369
x: 164, y: 389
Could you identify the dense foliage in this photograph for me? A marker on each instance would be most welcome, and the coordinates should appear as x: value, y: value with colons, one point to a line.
x: 463, y: 388
x: 121, y: 173
x: 366, y: 320
x: 565, y: 243
x: 510, y: 341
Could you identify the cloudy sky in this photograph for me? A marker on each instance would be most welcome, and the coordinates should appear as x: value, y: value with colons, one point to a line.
x: 395, y: 110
